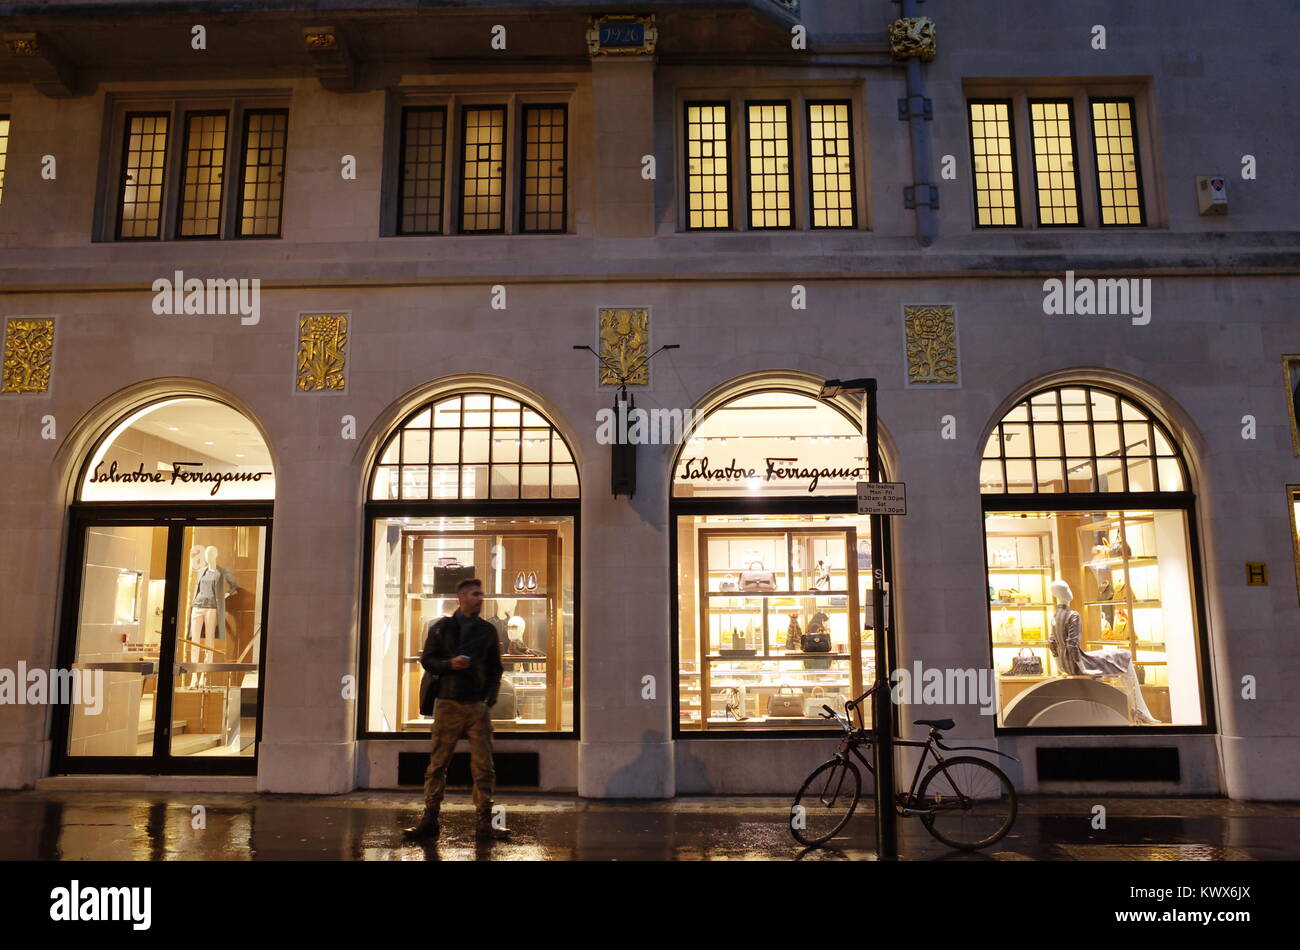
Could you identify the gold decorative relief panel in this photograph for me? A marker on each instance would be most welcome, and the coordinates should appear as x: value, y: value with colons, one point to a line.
x: 28, y: 354
x: 912, y: 36
x: 322, y: 352
x: 931, y: 335
x: 624, y: 346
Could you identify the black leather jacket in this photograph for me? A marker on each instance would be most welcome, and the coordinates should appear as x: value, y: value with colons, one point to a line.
x: 474, y: 637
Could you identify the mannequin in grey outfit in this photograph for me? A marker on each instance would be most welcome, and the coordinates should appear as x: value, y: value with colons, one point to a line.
x: 1108, y: 661
x: 208, y: 609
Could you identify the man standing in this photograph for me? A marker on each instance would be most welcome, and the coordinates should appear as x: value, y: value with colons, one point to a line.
x: 461, y: 651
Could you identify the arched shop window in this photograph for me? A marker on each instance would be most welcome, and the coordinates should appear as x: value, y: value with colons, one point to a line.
x: 773, y: 578
x: 167, y: 592
x: 473, y: 485
x: 1091, y: 556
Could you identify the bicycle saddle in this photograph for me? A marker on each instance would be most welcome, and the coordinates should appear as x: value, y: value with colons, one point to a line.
x: 941, y: 724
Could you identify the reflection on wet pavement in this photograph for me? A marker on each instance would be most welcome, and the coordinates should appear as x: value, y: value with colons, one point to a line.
x: 366, y: 825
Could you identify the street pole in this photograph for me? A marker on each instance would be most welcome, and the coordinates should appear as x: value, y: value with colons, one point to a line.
x: 882, y: 710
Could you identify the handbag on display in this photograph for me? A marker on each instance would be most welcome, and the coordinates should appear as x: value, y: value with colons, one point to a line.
x: 757, y: 578
x: 812, y: 705
x: 1119, y: 630
x: 839, y: 601
x: 1101, y: 550
x: 1032, y: 630
x: 1022, y: 665
x: 864, y: 555
x: 1105, y: 591
x: 448, y: 573
x: 1010, y: 595
x: 783, y: 705
x: 1006, y: 632
x: 818, y: 641
x: 507, y: 704
x: 728, y: 583
x: 1120, y: 548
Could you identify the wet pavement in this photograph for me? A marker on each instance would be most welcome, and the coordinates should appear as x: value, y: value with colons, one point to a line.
x: 366, y: 826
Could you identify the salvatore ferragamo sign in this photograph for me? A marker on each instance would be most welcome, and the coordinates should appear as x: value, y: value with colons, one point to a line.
x: 772, y: 470
x: 187, y: 475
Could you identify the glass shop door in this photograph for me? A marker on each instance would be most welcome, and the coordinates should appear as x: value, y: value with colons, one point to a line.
x: 167, y: 636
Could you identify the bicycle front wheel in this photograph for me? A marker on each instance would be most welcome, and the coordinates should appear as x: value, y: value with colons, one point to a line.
x: 971, y: 803
x: 826, y: 802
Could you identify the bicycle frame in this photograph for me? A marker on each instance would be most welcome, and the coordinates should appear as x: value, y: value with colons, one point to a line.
x: 932, y: 744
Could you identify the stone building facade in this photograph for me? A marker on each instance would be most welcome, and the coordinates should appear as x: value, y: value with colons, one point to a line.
x: 617, y: 184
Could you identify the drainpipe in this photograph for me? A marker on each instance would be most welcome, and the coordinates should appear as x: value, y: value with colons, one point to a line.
x: 916, y: 109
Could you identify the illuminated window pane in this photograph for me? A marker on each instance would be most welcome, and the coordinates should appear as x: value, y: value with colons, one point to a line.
x: 544, y: 169
x: 1114, y: 139
x: 262, y: 176
x: 424, y: 139
x: 1056, y: 179
x: 202, y: 175
x: 143, y: 165
x: 768, y: 131
x: 4, y: 152
x: 482, y: 169
x: 708, y: 167
x: 830, y: 161
x: 994, y: 160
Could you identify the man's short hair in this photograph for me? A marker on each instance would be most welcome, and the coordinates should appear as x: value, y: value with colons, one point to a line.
x: 469, y: 582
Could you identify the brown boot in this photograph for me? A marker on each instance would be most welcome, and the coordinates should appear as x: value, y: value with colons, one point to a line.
x: 427, y: 828
x: 483, y: 827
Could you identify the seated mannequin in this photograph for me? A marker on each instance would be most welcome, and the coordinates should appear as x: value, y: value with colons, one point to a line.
x: 1108, y: 661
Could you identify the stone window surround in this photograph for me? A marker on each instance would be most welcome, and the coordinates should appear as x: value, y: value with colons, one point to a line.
x: 236, y: 103
x: 454, y: 100
x: 1079, y: 92
x: 736, y: 98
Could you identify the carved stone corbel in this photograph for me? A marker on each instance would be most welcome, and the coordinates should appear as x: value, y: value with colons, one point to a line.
x: 331, y: 58
x: 46, y: 69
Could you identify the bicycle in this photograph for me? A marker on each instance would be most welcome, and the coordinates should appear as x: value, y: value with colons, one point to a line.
x: 965, y: 802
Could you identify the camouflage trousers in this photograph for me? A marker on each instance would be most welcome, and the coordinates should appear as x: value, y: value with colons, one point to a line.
x: 453, y: 719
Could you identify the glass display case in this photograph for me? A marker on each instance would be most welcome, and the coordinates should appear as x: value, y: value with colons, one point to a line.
x: 780, y: 626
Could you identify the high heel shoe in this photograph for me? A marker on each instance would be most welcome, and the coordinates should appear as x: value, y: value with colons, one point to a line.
x: 519, y: 583
x: 532, y: 582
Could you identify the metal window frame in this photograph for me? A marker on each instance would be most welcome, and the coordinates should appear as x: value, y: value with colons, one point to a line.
x: 1137, y: 161
x: 749, y: 165
x: 1033, y: 158
x: 1015, y: 163
x: 686, y: 164
x: 465, y: 109
x: 245, y: 117
x: 4, y: 152
x: 853, y: 172
x: 524, y: 109
x: 403, y: 111
x: 180, y: 183
x: 122, y: 172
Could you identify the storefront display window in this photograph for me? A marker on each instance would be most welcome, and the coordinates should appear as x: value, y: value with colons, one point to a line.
x: 169, y: 588
x: 774, y: 604
x: 449, y: 491
x: 1092, y: 600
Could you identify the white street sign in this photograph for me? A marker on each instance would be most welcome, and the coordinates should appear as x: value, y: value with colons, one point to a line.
x: 882, y: 498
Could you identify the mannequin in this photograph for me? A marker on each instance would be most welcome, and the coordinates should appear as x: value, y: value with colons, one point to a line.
x: 501, y: 611
x: 208, y: 608
x: 515, y: 633
x: 1108, y: 661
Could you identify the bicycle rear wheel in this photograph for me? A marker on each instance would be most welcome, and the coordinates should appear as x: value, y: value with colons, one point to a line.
x: 826, y: 802
x: 972, y: 803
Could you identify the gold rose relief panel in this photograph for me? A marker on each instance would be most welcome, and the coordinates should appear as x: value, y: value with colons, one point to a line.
x: 28, y: 354
x: 931, y: 332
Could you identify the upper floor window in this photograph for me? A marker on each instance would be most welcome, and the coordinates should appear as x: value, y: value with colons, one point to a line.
x: 458, y: 171
x: 179, y: 175
x: 772, y: 164
x: 4, y: 151
x: 1064, y: 188
x: 1291, y: 375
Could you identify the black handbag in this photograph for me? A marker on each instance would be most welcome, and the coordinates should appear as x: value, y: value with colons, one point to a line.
x: 1021, y: 665
x: 447, y: 576
x: 818, y: 641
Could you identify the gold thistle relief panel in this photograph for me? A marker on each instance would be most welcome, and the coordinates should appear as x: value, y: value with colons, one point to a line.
x: 322, y: 352
x: 28, y: 354
x: 931, y: 332
x: 624, y: 346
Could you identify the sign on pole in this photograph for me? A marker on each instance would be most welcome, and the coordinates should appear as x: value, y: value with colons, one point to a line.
x: 882, y: 498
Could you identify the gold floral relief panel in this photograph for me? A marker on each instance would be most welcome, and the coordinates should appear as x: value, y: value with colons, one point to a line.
x: 322, y: 352
x: 28, y: 354
x: 624, y: 346
x: 931, y: 332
